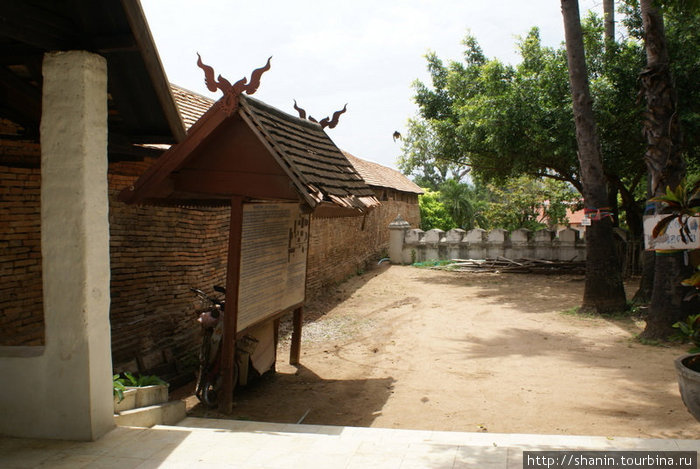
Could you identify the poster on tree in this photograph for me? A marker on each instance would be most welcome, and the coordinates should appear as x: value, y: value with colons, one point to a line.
x: 671, y: 239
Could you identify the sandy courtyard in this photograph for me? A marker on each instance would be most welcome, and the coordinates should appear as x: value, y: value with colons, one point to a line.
x: 403, y: 347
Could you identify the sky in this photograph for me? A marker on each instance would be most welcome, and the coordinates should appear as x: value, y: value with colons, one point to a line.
x: 328, y: 53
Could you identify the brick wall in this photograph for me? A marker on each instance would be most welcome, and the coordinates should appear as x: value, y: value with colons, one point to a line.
x: 157, y: 254
x: 341, y: 247
x: 21, y: 308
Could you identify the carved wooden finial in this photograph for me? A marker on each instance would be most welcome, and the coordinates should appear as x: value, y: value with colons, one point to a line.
x: 231, y: 92
x: 326, y: 121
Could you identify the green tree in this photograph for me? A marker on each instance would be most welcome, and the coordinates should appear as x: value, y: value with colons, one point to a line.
x: 504, y: 121
x: 467, y: 204
x: 421, y: 158
x: 433, y: 213
x: 526, y: 202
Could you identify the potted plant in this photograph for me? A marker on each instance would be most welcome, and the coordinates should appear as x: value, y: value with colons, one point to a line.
x: 688, y: 366
x: 124, y: 399
x: 133, y: 392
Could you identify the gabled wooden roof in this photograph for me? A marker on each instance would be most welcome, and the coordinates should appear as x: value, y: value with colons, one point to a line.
x: 321, y: 168
x: 257, y: 152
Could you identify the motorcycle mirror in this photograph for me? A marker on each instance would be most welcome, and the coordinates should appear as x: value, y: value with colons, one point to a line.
x: 219, y: 288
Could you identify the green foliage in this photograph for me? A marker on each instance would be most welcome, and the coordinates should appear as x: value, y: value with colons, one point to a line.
x: 422, y: 160
x: 521, y: 202
x: 433, y: 213
x: 139, y: 381
x: 467, y: 204
x: 118, y: 388
x: 503, y: 121
x: 524, y: 202
x: 681, y: 203
x: 689, y: 331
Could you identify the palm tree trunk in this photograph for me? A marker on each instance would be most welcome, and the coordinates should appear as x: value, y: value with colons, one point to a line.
x: 604, y: 292
x: 609, y: 17
x: 666, y: 168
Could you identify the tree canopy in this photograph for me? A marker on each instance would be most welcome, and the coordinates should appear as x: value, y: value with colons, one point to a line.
x: 501, y: 121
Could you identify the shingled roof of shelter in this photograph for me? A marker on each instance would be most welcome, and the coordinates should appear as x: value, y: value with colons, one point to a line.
x: 192, y: 106
x: 378, y: 175
x: 317, y: 161
x: 316, y: 167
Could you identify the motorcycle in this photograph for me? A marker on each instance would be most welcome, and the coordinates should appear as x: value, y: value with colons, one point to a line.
x: 210, y: 312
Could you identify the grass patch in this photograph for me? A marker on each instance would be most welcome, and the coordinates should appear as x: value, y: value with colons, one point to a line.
x: 649, y: 342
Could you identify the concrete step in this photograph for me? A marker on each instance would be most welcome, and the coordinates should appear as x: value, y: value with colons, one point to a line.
x: 168, y: 413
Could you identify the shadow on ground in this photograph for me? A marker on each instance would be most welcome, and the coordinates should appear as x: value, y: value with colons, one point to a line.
x: 301, y: 396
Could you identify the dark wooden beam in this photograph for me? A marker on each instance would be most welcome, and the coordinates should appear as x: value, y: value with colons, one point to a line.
x: 233, y: 272
x: 331, y: 210
x: 20, y: 96
x: 295, y: 349
x: 38, y: 27
x: 126, y: 152
x: 114, y: 43
x: 16, y: 53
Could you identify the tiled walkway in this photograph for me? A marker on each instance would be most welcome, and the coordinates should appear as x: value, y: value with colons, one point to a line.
x: 203, y: 443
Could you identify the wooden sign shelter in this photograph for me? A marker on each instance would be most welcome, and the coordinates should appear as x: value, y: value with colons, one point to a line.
x: 274, y: 170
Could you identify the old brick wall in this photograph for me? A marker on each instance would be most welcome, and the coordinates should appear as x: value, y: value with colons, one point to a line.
x: 21, y: 308
x: 341, y: 247
x: 157, y: 254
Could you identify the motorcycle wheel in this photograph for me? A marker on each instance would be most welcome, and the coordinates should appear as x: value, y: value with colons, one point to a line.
x: 209, y: 394
x: 211, y: 388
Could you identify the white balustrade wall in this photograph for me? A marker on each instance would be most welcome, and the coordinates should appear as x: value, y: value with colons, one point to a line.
x: 418, y: 246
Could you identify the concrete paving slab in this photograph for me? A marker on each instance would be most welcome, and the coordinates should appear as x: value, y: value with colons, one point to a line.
x: 199, y: 443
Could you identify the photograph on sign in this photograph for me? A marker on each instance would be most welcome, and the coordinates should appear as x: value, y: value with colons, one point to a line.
x: 671, y: 239
x: 274, y: 245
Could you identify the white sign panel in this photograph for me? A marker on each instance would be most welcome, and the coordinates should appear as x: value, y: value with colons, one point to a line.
x: 274, y: 245
x: 672, y: 238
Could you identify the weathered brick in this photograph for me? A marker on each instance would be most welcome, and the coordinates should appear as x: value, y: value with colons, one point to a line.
x: 157, y: 254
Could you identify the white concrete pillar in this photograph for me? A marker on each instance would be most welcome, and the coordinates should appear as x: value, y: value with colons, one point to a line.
x: 75, y: 246
x: 397, y: 231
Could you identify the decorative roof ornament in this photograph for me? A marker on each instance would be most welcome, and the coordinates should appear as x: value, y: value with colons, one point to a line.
x: 231, y: 92
x: 325, y: 122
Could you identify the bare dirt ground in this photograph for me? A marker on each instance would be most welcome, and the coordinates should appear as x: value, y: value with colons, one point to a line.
x: 403, y: 347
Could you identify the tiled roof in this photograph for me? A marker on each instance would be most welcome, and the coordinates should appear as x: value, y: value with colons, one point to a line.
x: 311, y: 155
x: 320, y: 173
x: 191, y: 105
x: 377, y: 175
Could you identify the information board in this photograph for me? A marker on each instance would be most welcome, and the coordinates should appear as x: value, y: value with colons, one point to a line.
x: 672, y: 238
x: 274, y: 245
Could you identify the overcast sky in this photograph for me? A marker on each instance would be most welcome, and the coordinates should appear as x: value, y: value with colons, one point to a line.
x: 328, y: 53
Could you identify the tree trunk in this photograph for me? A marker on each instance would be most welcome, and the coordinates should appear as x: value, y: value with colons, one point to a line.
x: 666, y: 168
x: 604, y: 292
x: 646, y: 281
x: 609, y: 16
